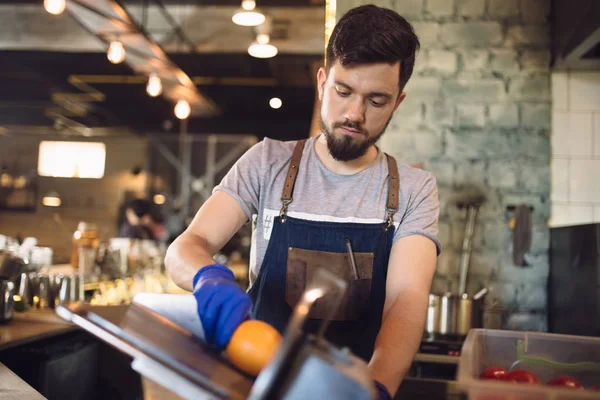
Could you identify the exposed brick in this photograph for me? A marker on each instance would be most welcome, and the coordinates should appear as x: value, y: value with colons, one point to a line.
x: 443, y: 171
x: 440, y: 8
x: 398, y: 144
x: 534, y: 11
x: 429, y: 144
x: 474, y: 90
x: 535, y: 177
x: 439, y: 114
x: 503, y: 8
x: 508, y: 272
x: 529, y: 35
x: 471, y: 8
x: 409, y: 114
x: 540, y: 239
x: 532, y: 296
x: 495, y: 235
x: 504, y: 115
x: 535, y: 60
x: 465, y: 34
x: 530, y: 87
x: 504, y: 62
x: 474, y: 59
x: 409, y: 9
x: 532, y: 146
x: 442, y: 62
x: 470, y: 173
x: 428, y: 33
x: 536, y: 115
x: 503, y: 174
x: 473, y: 146
x: 424, y: 88
x: 470, y: 115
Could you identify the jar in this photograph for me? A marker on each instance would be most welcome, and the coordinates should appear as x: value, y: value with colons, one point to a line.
x: 86, y: 237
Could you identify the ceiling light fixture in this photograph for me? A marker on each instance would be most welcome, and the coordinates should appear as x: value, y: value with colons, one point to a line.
x: 154, y: 87
x: 55, y: 7
x: 275, y: 103
x: 248, y: 15
x: 116, y: 52
x: 182, y: 109
x: 261, y: 47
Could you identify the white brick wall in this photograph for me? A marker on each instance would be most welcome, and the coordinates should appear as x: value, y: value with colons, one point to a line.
x: 575, y: 148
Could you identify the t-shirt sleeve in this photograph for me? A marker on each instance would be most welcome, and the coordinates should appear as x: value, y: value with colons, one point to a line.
x: 421, y: 217
x: 242, y: 182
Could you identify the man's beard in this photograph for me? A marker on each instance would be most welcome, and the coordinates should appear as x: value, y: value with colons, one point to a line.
x: 347, y: 148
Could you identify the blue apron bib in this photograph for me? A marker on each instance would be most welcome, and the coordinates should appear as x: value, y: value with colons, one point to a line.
x: 298, y: 247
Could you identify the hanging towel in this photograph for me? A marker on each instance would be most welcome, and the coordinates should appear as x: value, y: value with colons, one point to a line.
x: 521, y: 234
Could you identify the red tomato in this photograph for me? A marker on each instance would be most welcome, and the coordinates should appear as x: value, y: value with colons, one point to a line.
x: 495, y: 373
x: 522, y: 376
x: 565, y: 381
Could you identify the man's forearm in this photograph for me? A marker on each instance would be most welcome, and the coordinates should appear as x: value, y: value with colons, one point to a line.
x: 185, y: 256
x: 398, y: 340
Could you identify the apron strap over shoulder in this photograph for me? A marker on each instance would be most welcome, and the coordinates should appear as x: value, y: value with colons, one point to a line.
x: 290, y: 179
x: 393, y: 190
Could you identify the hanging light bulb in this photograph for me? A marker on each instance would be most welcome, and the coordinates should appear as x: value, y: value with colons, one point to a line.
x: 154, y: 87
x: 55, y: 7
x: 116, y: 52
x: 261, y: 47
x: 248, y: 15
x: 275, y: 103
x: 182, y: 109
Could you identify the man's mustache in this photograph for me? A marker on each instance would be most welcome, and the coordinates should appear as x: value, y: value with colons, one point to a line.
x: 351, y: 125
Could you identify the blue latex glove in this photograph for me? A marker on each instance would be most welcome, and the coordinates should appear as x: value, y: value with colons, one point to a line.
x: 382, y: 392
x: 222, y: 304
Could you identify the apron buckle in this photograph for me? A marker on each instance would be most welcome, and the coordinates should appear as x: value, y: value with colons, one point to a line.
x: 390, y: 218
x: 283, y: 210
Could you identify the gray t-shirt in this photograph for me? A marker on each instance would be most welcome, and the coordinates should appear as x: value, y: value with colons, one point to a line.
x: 256, y: 182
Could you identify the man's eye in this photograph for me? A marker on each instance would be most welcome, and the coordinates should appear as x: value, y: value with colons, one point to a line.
x: 377, y: 104
x: 343, y: 94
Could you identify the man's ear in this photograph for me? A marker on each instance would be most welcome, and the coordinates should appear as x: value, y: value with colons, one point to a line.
x: 399, y: 100
x: 321, y: 79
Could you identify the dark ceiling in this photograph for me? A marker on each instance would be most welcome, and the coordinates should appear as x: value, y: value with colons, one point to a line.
x: 259, y: 3
x: 28, y: 79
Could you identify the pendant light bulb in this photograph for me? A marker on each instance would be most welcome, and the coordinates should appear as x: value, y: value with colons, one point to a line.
x: 248, y: 15
x: 154, y: 87
x: 116, y: 52
x: 55, y: 7
x: 182, y: 109
x: 261, y: 47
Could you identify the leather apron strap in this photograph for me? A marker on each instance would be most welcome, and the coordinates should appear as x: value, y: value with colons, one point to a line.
x: 393, y: 190
x: 290, y: 180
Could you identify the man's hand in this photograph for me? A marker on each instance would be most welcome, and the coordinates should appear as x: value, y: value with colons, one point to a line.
x: 222, y: 304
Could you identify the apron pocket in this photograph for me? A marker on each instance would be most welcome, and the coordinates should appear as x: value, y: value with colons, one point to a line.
x: 302, y: 264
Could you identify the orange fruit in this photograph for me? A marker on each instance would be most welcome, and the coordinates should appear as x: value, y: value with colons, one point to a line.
x: 252, y: 346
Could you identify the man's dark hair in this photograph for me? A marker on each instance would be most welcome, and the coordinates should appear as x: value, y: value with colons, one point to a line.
x: 141, y: 207
x: 371, y: 34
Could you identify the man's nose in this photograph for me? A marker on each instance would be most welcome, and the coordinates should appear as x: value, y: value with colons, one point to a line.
x: 355, y: 111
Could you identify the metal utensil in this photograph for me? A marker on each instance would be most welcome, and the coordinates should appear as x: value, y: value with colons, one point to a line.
x: 432, y: 320
x: 351, y: 257
x: 7, y: 291
x: 449, y: 313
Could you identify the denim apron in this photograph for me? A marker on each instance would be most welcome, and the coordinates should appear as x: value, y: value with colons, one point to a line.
x: 298, y: 247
